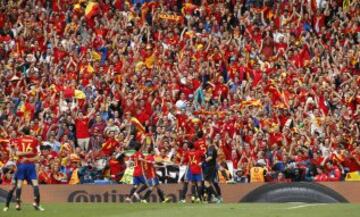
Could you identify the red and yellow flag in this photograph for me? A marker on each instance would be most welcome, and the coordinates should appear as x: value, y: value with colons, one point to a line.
x: 92, y: 8
x: 188, y: 8
x: 26, y: 110
x: 170, y: 17
x: 137, y: 124
x: 252, y: 102
x: 77, y: 8
x: 96, y: 55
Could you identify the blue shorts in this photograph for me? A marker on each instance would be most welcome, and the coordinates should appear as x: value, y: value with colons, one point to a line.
x: 196, y: 178
x: 153, y: 181
x: 188, y: 175
x: 14, y: 180
x: 137, y: 180
x: 26, y: 171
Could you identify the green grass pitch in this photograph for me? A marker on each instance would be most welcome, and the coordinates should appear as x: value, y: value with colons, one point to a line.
x: 188, y: 210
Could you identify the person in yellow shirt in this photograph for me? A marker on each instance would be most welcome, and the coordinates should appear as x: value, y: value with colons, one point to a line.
x: 258, y: 172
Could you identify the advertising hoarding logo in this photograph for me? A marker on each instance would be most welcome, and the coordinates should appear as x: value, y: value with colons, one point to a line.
x: 112, y: 196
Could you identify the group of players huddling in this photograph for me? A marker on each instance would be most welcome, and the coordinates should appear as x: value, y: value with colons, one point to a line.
x: 200, y: 161
x: 201, y: 173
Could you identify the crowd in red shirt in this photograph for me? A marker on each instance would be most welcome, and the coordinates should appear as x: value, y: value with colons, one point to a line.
x: 270, y: 83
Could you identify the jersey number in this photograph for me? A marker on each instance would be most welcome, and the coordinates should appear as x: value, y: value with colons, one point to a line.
x: 26, y: 147
x: 193, y: 160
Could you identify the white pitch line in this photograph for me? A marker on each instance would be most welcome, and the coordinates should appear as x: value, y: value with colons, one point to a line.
x: 304, y: 205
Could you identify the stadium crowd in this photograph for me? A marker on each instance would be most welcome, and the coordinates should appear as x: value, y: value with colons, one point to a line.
x: 273, y: 84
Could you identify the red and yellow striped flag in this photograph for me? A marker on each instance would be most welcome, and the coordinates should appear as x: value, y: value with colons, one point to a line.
x: 91, y: 9
x: 138, y: 125
x: 252, y: 102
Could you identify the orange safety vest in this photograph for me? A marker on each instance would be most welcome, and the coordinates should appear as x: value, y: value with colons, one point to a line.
x: 257, y: 174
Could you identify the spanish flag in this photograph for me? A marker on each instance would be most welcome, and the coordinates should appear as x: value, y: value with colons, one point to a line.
x: 137, y: 124
x: 170, y: 17
x: 252, y: 102
x: 188, y: 8
x: 95, y: 55
x: 26, y: 110
x: 92, y: 8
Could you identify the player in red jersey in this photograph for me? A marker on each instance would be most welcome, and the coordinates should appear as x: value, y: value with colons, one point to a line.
x: 187, y: 175
x: 10, y: 170
x: 138, y: 175
x: 194, y: 159
x: 151, y: 177
x: 201, y: 146
x: 27, y: 153
x: 200, y: 143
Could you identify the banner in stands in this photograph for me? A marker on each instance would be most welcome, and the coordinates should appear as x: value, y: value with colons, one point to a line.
x: 232, y: 193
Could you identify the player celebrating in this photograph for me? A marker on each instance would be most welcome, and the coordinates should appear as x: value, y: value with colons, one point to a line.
x: 152, y: 179
x: 139, y: 178
x: 187, y: 175
x: 210, y: 172
x: 193, y: 157
x: 27, y: 150
x: 10, y: 170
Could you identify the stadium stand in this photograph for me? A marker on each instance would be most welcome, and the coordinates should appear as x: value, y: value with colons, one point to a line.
x: 273, y: 84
